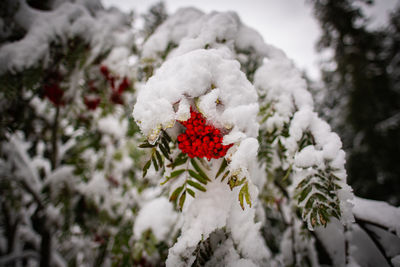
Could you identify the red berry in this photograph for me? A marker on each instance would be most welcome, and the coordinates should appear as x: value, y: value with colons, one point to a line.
x: 116, y: 98
x: 54, y: 93
x: 201, y: 140
x: 104, y: 70
x: 91, y: 103
x: 123, y: 85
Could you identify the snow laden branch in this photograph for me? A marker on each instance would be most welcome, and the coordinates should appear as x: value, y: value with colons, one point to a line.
x: 68, y: 22
x: 302, y: 146
x: 212, y: 83
x: 68, y: 153
x: 235, y: 167
x: 202, y: 79
x: 203, y: 63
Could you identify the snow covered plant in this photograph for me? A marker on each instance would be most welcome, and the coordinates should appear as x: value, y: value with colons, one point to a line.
x: 208, y: 107
x: 68, y: 153
x: 223, y: 163
x: 199, y: 111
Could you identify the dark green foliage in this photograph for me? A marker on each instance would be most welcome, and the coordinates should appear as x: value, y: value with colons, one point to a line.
x: 363, y: 94
x: 318, y: 195
x: 205, y: 249
x: 160, y: 147
x: 194, y: 179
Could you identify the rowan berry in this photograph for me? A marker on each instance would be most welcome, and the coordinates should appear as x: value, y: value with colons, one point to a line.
x: 201, y: 140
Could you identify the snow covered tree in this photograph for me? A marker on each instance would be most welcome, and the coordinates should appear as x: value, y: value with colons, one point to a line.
x: 298, y: 182
x: 68, y: 150
x: 223, y: 161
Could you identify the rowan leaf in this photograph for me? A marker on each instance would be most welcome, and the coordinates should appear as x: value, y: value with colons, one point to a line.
x: 146, y: 167
x: 176, y: 173
x: 241, y: 198
x: 180, y: 159
x: 221, y: 168
x: 176, y: 193
x: 191, y: 192
x: 154, y: 162
x: 146, y: 145
x: 199, y: 170
x: 197, y: 177
x: 165, y: 153
x: 225, y: 175
x: 244, y: 192
x: 165, y: 143
x: 159, y: 158
x: 182, y: 200
x: 196, y: 185
x: 166, y: 135
x: 173, y: 175
x: 247, y: 195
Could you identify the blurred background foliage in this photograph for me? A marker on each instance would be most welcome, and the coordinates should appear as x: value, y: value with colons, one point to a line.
x: 361, y: 95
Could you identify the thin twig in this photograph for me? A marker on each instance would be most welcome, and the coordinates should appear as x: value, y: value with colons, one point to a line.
x: 54, y: 131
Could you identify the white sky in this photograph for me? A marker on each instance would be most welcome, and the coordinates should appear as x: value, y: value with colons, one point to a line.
x: 287, y: 24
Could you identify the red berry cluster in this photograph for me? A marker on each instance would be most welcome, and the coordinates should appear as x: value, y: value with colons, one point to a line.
x: 201, y: 140
x: 116, y: 94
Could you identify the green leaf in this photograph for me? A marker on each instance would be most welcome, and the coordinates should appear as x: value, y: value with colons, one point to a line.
x: 244, y: 192
x: 165, y: 134
x: 176, y: 173
x: 173, y: 175
x: 197, y: 177
x: 199, y: 170
x: 146, y: 168
x: 146, y: 145
x: 191, y: 192
x: 166, y: 181
x: 180, y: 159
x: 154, y: 162
x: 176, y: 193
x: 196, y: 185
x: 304, y: 193
x: 221, y: 168
x: 241, y: 198
x: 166, y: 144
x: 234, y: 181
x: 247, y: 195
x: 182, y: 200
x: 165, y: 153
x: 225, y: 175
x: 159, y: 158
